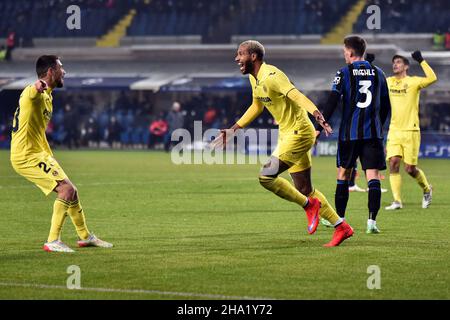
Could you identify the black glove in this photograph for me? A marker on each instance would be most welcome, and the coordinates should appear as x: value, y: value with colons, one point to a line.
x: 417, y: 55
x: 370, y: 57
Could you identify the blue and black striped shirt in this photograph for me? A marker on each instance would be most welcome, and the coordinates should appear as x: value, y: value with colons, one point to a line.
x: 365, y: 100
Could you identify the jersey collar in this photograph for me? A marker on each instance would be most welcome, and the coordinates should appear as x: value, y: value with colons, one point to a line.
x: 261, y: 72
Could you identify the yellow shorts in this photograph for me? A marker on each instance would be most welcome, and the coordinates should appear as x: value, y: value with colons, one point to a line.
x: 404, y: 144
x: 295, y: 150
x: 45, y: 174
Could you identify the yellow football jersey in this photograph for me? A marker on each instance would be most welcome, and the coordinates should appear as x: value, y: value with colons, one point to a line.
x: 404, y: 95
x: 30, y: 122
x: 270, y: 89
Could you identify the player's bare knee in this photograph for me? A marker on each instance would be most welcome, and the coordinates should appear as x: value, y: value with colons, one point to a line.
x: 411, y: 170
x: 344, y: 174
x: 394, y: 165
x: 67, y: 191
x: 394, y: 169
x: 64, y: 193
x: 372, y: 174
x: 74, y: 191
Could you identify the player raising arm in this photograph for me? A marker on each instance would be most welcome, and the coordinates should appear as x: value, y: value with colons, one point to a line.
x: 403, y: 141
x: 273, y: 90
x: 32, y: 158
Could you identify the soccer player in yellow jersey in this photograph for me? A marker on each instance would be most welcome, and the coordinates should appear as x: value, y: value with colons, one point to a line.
x: 273, y: 90
x: 32, y: 157
x: 403, y: 140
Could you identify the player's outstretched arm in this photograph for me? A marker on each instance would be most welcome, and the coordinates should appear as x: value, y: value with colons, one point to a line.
x: 222, y: 139
x: 303, y: 101
x: 328, y: 110
x: 226, y: 134
x: 430, y: 76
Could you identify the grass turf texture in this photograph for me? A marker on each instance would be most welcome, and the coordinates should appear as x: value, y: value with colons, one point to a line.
x: 211, y: 229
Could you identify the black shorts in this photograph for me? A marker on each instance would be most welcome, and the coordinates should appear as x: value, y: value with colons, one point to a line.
x: 369, y: 151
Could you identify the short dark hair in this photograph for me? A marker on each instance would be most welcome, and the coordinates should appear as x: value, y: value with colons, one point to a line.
x: 44, y: 63
x: 254, y: 47
x: 397, y: 56
x: 357, y: 44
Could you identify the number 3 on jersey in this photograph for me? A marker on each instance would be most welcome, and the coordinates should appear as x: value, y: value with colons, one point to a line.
x: 16, y: 120
x: 365, y: 85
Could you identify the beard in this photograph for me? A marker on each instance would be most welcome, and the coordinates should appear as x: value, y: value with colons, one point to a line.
x: 59, y: 83
x: 248, y: 67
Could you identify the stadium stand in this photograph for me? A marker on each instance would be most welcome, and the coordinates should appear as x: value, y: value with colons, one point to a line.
x: 171, y: 18
x: 30, y: 19
x: 201, y: 17
x: 271, y: 17
x: 409, y: 16
x: 267, y: 17
x: 214, y: 21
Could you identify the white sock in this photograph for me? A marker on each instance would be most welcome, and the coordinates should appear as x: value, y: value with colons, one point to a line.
x: 371, y: 223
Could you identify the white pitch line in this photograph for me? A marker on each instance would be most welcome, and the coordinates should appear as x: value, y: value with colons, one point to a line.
x: 142, y: 291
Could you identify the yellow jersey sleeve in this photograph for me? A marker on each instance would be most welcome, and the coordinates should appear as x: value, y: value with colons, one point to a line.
x: 430, y: 76
x: 251, y: 114
x: 301, y: 100
x: 280, y: 83
x: 32, y: 93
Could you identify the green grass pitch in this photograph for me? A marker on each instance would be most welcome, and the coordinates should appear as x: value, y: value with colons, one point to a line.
x: 210, y: 231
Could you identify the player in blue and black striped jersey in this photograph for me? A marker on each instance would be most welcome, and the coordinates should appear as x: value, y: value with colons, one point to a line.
x: 362, y: 87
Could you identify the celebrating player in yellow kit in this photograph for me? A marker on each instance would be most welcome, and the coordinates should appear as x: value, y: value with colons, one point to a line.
x: 403, y: 141
x: 32, y: 157
x: 273, y: 90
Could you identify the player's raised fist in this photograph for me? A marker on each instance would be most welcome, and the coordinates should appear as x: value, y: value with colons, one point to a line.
x: 417, y: 55
x: 40, y: 85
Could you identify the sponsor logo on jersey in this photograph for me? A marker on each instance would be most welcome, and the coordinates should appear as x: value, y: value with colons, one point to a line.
x: 264, y: 99
x: 397, y: 91
x: 336, y: 80
x: 47, y: 114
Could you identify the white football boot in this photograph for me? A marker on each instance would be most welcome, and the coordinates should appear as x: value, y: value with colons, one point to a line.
x: 56, y: 246
x: 394, y: 206
x: 427, y: 196
x: 356, y: 188
x: 93, y: 241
